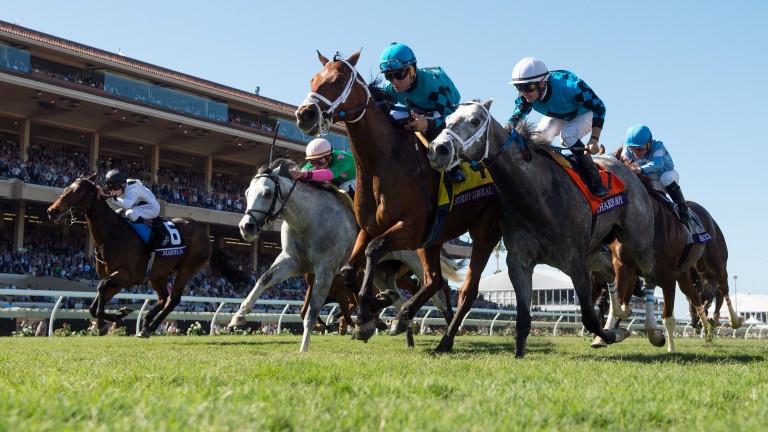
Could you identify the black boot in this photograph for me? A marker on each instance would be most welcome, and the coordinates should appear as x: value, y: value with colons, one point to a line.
x: 455, y: 175
x: 156, y: 233
x: 676, y: 194
x: 586, y: 163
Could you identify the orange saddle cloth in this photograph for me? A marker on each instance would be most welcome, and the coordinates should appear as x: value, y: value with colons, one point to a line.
x: 615, y: 197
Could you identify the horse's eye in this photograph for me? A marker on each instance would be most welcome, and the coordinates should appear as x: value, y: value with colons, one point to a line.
x: 268, y: 194
x: 475, y: 121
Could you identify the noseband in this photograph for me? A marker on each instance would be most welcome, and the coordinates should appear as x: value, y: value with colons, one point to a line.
x: 270, y: 215
x: 457, y: 153
x: 325, y: 118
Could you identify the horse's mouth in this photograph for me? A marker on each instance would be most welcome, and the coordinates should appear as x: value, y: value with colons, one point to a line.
x: 309, y: 130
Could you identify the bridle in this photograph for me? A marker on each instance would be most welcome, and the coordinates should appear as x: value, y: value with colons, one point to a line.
x: 457, y: 153
x: 74, y: 214
x: 271, y: 215
x: 325, y: 119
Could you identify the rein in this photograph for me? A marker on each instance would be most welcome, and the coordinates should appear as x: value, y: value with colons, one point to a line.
x: 270, y: 215
x: 324, y: 120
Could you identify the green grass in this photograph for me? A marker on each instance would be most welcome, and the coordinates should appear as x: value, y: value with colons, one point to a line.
x: 262, y: 383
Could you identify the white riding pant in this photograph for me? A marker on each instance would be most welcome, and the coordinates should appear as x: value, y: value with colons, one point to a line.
x: 570, y: 131
x: 668, y: 177
x: 348, y: 185
x: 147, y: 211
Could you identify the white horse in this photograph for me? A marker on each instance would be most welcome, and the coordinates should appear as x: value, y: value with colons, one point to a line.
x: 317, y: 236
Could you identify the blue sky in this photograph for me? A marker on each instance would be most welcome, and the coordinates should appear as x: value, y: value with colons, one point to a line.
x: 692, y: 71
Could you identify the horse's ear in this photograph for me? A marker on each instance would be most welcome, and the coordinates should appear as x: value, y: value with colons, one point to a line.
x: 354, y: 58
x: 322, y: 58
x: 284, y: 170
x: 487, y: 104
x: 92, y: 177
x: 617, y: 153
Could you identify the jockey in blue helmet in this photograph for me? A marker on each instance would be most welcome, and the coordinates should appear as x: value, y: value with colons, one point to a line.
x: 647, y: 156
x: 429, y: 92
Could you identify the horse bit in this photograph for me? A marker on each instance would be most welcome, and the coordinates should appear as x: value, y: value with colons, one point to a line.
x: 270, y: 215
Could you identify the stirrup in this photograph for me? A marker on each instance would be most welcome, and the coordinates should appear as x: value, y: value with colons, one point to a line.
x: 456, y: 175
x: 599, y: 191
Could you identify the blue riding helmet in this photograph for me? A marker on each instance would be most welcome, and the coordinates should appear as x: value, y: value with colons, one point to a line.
x: 396, y: 57
x: 638, y: 135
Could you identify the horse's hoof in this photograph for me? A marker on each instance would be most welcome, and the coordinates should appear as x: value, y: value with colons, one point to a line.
x: 103, y: 329
x: 598, y: 342
x: 399, y: 326
x: 409, y: 338
x: 236, y: 321
x: 737, y: 324
x: 381, y: 326
x: 657, y: 338
x: 124, y: 311
x: 143, y: 334
x: 621, y: 334
x: 364, y: 332
x: 461, y: 332
x: 445, y: 346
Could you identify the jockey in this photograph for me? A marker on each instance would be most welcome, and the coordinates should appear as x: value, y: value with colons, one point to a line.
x: 570, y: 108
x: 647, y: 156
x: 137, y: 200
x: 326, y: 164
x: 429, y: 91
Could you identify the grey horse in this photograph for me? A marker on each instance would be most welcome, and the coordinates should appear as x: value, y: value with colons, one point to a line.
x: 545, y: 218
x: 317, y: 236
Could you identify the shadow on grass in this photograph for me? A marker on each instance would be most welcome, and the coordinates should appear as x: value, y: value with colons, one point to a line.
x: 677, y: 357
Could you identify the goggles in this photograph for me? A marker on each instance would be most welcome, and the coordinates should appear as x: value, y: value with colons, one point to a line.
x: 396, y: 75
x: 527, y: 87
x: 316, y: 162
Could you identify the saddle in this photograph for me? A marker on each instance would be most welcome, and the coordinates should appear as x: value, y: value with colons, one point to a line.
x: 615, y: 186
x: 694, y: 228
x: 340, y: 193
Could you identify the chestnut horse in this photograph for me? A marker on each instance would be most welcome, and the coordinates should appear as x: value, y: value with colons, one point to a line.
x: 396, y: 195
x: 121, y: 260
x: 546, y: 218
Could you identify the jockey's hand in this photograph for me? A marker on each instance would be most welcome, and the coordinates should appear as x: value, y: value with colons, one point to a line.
x: 297, y: 175
x: 102, y: 195
x: 593, y: 147
x: 419, y: 123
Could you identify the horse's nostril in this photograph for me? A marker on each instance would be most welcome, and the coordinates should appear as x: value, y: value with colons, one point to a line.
x: 249, y: 226
x: 441, y: 150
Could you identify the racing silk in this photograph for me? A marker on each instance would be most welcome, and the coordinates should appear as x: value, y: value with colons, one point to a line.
x: 136, y: 194
x: 656, y: 161
x: 567, y: 97
x: 340, y: 170
x: 432, y: 91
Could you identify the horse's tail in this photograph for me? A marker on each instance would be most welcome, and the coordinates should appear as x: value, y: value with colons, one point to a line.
x: 450, y: 268
x: 221, y: 263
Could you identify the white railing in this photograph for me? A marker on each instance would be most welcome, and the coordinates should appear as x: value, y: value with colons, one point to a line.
x: 554, y: 320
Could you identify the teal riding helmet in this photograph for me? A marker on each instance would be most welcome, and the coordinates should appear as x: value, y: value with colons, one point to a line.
x: 638, y: 136
x: 396, y: 57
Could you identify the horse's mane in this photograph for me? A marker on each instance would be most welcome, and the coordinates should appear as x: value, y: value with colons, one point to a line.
x: 532, y: 137
x: 265, y: 169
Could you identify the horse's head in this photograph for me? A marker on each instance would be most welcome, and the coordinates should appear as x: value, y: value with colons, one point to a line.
x: 465, y: 136
x: 332, y: 94
x: 264, y: 198
x: 77, y: 197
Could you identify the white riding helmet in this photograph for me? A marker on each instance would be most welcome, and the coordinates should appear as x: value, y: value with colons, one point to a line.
x: 529, y: 69
x: 318, y: 148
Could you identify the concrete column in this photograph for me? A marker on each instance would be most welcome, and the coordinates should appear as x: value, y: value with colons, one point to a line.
x: 93, y: 151
x: 155, y: 163
x: 18, y: 225
x: 208, y: 173
x: 24, y: 130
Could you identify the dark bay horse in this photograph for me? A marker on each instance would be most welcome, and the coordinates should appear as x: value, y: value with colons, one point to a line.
x: 121, y: 260
x: 545, y: 217
x: 396, y: 195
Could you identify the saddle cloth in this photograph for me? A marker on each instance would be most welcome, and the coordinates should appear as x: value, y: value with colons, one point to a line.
x: 478, y: 185
x: 616, y: 196
x: 171, y: 243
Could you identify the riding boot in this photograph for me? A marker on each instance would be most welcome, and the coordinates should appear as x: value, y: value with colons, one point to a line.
x: 155, y: 233
x: 455, y: 175
x: 586, y: 163
x: 674, y: 191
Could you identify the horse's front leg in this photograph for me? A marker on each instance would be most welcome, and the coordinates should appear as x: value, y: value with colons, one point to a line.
x: 365, y: 327
x: 106, y: 289
x: 283, y: 268
x: 432, y: 282
x: 320, y: 290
